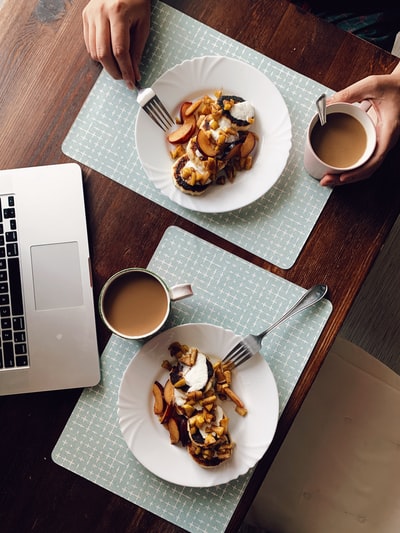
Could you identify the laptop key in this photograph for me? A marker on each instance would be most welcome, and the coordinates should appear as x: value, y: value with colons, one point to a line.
x: 6, y: 335
x: 8, y: 352
x: 4, y: 287
x: 20, y: 349
x: 19, y: 336
x: 15, y: 286
x: 4, y: 299
x: 5, y: 311
x: 18, y: 323
x: 12, y: 249
x: 21, y: 360
x: 5, y: 323
x: 9, y: 212
x: 11, y: 236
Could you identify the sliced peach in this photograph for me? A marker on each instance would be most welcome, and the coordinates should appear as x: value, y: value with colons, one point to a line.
x: 205, y: 144
x: 173, y: 428
x: 190, y: 119
x: 189, y: 110
x: 183, y: 133
x: 169, y: 392
x: 158, y: 393
x: 248, y: 144
x: 168, y: 412
x: 182, y: 111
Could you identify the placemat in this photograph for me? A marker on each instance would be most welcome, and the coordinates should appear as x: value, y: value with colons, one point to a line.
x: 230, y: 292
x: 102, y: 137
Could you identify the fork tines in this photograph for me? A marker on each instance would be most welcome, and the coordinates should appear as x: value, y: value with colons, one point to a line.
x: 237, y: 356
x: 240, y: 353
x: 152, y: 105
x: 157, y: 111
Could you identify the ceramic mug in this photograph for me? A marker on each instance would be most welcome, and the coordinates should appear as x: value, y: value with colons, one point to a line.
x: 344, y: 143
x: 134, y: 303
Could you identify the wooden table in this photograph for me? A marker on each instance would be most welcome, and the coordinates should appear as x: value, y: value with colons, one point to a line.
x: 45, y: 78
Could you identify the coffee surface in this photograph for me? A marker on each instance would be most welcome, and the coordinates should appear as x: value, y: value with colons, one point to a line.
x: 135, y: 304
x: 340, y: 142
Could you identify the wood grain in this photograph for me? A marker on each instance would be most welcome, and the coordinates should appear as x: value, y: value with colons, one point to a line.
x: 46, y: 75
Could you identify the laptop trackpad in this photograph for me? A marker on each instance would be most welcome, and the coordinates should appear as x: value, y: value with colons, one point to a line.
x: 56, y: 275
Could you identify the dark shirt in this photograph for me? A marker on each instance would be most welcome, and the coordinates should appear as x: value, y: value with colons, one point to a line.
x: 377, y: 23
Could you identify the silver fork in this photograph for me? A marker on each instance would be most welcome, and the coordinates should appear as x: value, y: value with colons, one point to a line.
x: 152, y: 105
x: 250, y: 345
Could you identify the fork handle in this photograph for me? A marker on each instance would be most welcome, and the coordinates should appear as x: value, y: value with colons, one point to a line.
x: 311, y: 297
x: 144, y: 95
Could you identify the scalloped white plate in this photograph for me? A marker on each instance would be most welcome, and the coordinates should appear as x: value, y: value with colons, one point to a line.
x: 204, y: 75
x: 149, y: 441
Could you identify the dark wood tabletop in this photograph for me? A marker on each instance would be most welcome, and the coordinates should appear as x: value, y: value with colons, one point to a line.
x: 46, y: 75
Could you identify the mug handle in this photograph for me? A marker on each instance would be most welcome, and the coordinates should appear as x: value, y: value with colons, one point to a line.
x: 364, y: 105
x: 178, y: 292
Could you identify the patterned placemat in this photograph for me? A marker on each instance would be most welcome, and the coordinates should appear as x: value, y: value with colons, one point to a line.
x: 230, y: 292
x: 102, y: 137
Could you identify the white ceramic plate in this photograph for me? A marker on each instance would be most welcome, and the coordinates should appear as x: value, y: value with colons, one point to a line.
x: 204, y: 75
x: 149, y: 441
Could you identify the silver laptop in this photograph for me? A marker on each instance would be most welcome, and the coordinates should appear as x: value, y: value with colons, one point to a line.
x: 47, y: 321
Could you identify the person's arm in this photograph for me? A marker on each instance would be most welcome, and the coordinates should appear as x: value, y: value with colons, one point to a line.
x: 383, y: 91
x: 115, y: 34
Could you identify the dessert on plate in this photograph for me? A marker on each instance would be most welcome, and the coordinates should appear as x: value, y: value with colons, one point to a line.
x: 189, y: 404
x: 213, y: 141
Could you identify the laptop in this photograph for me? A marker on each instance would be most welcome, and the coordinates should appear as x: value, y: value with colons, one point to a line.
x: 47, y: 320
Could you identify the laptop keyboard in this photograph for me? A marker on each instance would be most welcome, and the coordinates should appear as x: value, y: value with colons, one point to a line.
x: 13, y: 341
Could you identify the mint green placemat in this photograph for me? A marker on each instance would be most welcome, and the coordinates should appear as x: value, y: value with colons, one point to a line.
x: 229, y: 292
x: 102, y: 137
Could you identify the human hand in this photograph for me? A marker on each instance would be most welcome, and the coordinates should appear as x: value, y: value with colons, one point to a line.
x: 383, y: 92
x: 115, y: 34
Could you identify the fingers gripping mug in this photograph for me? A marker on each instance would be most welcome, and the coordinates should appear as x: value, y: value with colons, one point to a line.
x: 344, y: 143
x: 135, y: 302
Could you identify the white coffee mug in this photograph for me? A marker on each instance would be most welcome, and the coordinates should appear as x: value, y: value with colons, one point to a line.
x: 343, y: 143
x: 135, y: 303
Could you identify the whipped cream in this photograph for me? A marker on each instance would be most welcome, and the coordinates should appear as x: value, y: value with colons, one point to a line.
x: 242, y: 111
x: 223, y: 125
x: 196, y: 376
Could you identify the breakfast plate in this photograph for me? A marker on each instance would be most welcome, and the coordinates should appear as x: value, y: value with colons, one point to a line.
x: 193, y: 79
x: 149, y: 441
